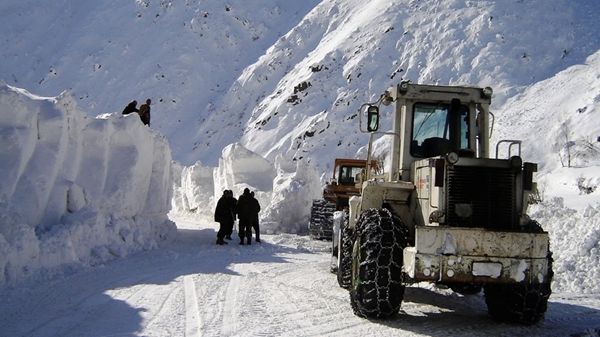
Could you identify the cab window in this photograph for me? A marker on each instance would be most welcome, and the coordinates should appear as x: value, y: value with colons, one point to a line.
x: 348, y: 174
x: 439, y: 129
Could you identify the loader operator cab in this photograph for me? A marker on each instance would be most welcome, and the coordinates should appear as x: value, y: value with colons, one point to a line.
x: 432, y: 121
x: 439, y: 129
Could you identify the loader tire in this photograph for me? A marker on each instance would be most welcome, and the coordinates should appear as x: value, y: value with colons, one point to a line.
x: 377, y: 289
x: 321, y: 220
x: 519, y: 303
x: 344, y: 272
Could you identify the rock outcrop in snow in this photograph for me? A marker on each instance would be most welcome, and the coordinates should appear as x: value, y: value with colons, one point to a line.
x: 76, y: 190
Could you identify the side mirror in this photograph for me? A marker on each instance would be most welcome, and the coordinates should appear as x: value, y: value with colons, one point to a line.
x: 372, y: 118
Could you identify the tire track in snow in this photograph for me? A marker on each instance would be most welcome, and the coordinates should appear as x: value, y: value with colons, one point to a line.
x: 210, y: 292
x: 314, y: 311
x: 293, y: 307
x: 192, y: 315
x: 162, y: 320
x: 230, y: 305
x: 274, y: 307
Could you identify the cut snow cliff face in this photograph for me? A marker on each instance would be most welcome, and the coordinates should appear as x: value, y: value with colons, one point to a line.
x: 284, y: 189
x: 76, y: 190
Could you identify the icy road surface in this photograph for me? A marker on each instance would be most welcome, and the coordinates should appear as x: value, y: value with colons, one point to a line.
x: 281, y: 287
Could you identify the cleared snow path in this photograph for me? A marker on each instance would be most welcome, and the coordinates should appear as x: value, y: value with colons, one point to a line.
x: 280, y: 288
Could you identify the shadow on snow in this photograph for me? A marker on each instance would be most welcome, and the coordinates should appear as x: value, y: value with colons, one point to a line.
x: 80, y: 303
x: 430, y: 313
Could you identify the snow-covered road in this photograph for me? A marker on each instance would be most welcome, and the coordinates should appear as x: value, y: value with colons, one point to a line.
x: 281, y: 287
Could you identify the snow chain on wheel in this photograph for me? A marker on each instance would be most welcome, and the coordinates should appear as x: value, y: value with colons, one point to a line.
x: 321, y: 219
x: 344, y: 273
x: 377, y: 290
x: 520, y: 303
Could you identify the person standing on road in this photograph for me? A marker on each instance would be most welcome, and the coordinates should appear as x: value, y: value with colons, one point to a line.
x: 245, y: 216
x: 255, y: 210
x: 145, y: 112
x: 224, y: 217
x: 232, y: 205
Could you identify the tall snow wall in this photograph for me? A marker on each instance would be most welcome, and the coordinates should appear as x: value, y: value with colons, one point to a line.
x: 284, y: 189
x: 76, y: 191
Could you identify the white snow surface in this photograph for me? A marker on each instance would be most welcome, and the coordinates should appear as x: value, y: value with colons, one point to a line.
x: 76, y: 191
x: 281, y: 287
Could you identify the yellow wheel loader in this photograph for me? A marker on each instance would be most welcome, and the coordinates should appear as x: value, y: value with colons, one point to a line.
x: 445, y: 210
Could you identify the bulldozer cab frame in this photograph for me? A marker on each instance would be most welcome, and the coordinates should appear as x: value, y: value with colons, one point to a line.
x: 347, y: 171
x: 346, y: 181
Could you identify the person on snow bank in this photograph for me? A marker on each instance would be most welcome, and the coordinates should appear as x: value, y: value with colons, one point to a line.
x: 131, y: 107
x: 145, y: 112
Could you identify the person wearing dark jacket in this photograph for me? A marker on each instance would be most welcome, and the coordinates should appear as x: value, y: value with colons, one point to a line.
x: 145, y: 112
x: 245, y: 215
x: 224, y: 217
x: 232, y: 205
x: 255, y: 210
x: 131, y: 107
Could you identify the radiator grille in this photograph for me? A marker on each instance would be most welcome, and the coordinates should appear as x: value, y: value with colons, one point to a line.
x: 490, y: 192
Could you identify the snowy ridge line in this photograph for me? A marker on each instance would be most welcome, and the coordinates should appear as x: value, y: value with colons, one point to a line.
x: 192, y: 315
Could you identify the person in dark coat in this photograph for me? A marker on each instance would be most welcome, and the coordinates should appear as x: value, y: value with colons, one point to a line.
x: 232, y: 204
x: 145, y: 112
x: 245, y: 215
x: 131, y: 107
x: 224, y: 217
x: 255, y: 210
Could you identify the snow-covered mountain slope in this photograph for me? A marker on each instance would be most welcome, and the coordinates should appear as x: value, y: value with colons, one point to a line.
x: 76, y: 190
x: 558, y: 119
x: 345, y: 53
x: 220, y: 73
x: 184, y: 55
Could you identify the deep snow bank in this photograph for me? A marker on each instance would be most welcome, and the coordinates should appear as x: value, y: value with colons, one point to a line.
x: 557, y: 121
x: 284, y: 189
x: 575, y: 243
x: 76, y: 190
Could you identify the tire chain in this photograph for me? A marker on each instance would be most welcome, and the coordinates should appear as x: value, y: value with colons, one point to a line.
x: 520, y: 303
x: 344, y: 274
x: 379, y: 291
x: 321, y: 219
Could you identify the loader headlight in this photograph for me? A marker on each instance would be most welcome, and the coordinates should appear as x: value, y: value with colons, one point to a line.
x: 516, y: 162
x: 436, y: 216
x: 452, y: 158
x: 487, y: 92
x: 403, y: 87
